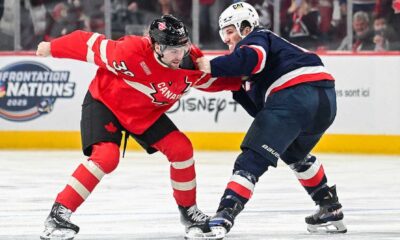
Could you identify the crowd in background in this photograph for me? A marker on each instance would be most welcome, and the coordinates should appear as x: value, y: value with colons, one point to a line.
x: 312, y: 24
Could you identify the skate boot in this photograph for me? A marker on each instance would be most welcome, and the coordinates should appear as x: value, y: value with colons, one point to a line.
x: 218, y: 226
x: 192, y: 215
x: 58, y: 226
x: 329, y: 216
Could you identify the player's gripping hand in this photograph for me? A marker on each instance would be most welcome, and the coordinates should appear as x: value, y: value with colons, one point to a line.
x: 43, y: 49
x: 204, y: 64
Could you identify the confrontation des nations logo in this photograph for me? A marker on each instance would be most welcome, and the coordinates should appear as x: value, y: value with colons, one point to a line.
x: 29, y: 89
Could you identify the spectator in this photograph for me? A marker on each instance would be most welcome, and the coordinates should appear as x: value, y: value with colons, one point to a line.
x: 65, y: 18
x: 325, y: 8
x: 303, y: 25
x: 363, y: 34
x: 394, y: 22
x: 383, y: 34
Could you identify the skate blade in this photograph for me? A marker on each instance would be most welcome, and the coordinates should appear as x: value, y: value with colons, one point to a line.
x: 58, y: 234
x: 217, y: 233
x: 331, y: 227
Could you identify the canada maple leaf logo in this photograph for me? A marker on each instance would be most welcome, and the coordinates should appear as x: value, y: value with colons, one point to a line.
x: 110, y: 127
x: 159, y: 94
x: 162, y: 26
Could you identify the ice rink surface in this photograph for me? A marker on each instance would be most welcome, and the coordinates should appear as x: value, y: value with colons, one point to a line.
x: 135, y: 201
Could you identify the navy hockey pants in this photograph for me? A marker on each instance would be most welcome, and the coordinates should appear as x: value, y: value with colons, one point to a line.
x: 288, y: 127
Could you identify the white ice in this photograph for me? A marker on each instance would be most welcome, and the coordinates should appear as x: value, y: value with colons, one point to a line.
x: 135, y: 201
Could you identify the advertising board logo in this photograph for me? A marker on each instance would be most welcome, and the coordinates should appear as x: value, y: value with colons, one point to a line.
x: 29, y: 90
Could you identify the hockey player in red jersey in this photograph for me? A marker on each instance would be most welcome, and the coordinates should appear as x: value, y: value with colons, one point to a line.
x: 138, y: 80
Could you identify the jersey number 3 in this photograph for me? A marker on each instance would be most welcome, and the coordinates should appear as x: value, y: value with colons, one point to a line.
x: 122, y: 68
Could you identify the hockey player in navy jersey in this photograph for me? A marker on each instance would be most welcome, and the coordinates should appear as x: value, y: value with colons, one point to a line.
x: 292, y: 98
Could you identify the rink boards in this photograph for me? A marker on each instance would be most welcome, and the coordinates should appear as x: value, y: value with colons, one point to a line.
x: 43, y: 111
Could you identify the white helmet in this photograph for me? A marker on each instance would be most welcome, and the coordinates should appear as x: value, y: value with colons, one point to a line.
x: 235, y: 14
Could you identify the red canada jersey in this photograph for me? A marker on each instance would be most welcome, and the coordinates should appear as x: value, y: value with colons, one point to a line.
x: 131, y: 81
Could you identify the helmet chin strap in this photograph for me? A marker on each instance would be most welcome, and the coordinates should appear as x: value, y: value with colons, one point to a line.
x: 160, y: 56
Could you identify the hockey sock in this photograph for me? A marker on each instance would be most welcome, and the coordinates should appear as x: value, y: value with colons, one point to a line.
x: 104, y: 159
x: 311, y: 175
x: 179, y: 151
x: 240, y: 188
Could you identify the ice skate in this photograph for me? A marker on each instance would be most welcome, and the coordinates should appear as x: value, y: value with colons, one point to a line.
x: 192, y: 215
x: 218, y: 226
x: 58, y: 226
x: 329, y: 216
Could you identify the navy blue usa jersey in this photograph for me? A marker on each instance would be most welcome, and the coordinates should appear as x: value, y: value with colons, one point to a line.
x: 271, y: 64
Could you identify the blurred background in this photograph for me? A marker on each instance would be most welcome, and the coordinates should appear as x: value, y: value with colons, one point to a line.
x: 358, y: 25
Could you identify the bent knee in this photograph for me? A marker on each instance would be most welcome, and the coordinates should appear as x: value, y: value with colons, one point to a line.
x: 176, y: 146
x: 106, y: 156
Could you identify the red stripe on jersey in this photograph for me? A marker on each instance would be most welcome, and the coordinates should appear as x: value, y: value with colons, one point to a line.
x: 312, y: 77
x: 239, y: 189
x: 86, y: 178
x: 314, y: 181
x: 183, y: 175
x: 69, y: 198
x: 260, y: 58
x: 185, y: 198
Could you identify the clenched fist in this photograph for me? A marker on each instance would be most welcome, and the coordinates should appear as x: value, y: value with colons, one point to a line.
x: 43, y: 49
x: 204, y: 64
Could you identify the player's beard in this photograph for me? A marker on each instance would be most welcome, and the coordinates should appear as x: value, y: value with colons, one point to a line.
x: 174, y: 64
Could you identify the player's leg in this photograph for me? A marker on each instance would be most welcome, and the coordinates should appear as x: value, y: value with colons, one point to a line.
x: 179, y: 151
x: 165, y: 137
x: 101, y: 137
x: 272, y: 131
x: 310, y: 172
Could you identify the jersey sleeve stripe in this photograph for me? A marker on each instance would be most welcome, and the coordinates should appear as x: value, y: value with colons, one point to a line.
x: 262, y: 57
x: 103, y: 56
x: 207, y: 84
x: 89, y: 43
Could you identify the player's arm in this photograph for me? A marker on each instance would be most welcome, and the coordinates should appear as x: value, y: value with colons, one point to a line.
x: 244, y: 61
x: 208, y: 83
x: 216, y: 84
x: 84, y: 46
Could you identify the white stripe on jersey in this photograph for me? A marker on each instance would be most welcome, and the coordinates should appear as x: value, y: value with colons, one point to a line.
x: 94, y: 169
x: 295, y: 73
x: 78, y: 187
x: 183, y: 165
x: 242, y: 181
x: 207, y: 84
x: 141, y: 88
x: 103, y: 55
x: 264, y: 57
x: 309, y: 173
x: 184, y: 186
x: 89, y: 43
